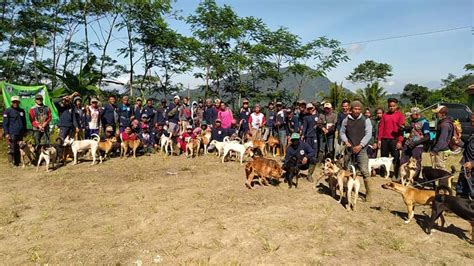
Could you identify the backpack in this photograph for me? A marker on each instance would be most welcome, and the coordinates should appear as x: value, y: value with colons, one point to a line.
x: 455, y: 142
x: 173, y: 112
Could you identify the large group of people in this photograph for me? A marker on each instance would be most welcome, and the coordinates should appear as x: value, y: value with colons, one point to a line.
x: 311, y: 131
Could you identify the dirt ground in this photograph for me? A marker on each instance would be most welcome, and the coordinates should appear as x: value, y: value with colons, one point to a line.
x: 173, y: 210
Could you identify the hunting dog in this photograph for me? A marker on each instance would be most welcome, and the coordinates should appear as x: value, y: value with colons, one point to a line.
x: 129, y: 144
x: 219, y: 145
x: 166, y: 144
x: 205, y: 138
x: 353, y: 183
x: 411, y: 196
x: 260, y: 145
x: 382, y: 161
x: 82, y: 146
x: 292, y: 170
x: 192, y: 147
x: 49, y: 155
x: 273, y: 144
x: 463, y: 208
x: 337, y: 178
x: 240, y: 149
x: 26, y: 151
x: 444, y: 177
x: 264, y: 169
x: 106, y: 146
x: 408, y: 172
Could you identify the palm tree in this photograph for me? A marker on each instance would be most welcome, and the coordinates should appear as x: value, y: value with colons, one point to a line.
x: 372, y: 95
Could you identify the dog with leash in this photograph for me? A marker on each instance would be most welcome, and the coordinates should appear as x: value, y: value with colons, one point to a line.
x: 83, y: 146
x: 463, y: 208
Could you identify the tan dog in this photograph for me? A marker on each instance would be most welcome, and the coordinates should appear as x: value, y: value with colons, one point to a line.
x: 411, y: 197
x: 192, y: 146
x: 261, y: 145
x: 204, y: 138
x: 132, y: 144
x: 264, y: 169
x: 273, y: 144
x: 106, y: 146
x: 26, y: 150
x: 337, y: 178
x: 408, y: 172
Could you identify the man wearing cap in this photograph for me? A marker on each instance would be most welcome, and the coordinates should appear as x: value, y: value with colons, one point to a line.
x: 110, y: 114
x: 444, y: 133
x: 67, y: 120
x: 137, y: 108
x: 210, y: 113
x: 302, y: 112
x: 244, y: 115
x: 281, y: 125
x: 14, y: 128
x: 419, y: 135
x: 93, y: 114
x: 125, y: 113
x: 390, y: 135
x: 356, y: 132
x: 304, y: 154
x: 40, y: 116
x: 173, y: 116
x: 256, y: 122
x: 270, y: 121
x: 309, y: 132
x: 327, y: 126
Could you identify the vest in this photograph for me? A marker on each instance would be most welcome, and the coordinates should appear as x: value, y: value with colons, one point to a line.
x: 355, y: 130
x: 41, y: 114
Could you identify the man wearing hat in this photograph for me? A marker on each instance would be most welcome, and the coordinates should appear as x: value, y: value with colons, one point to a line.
x: 327, y: 126
x: 125, y: 113
x: 93, y: 114
x: 218, y: 133
x: 67, y: 120
x: 304, y: 154
x: 419, y: 135
x: 444, y: 133
x: 309, y: 132
x: 244, y: 115
x: 356, y: 132
x: 40, y: 116
x: 14, y: 128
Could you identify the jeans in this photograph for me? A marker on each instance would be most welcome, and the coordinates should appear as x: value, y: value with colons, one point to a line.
x: 360, y: 161
x: 89, y: 132
x: 282, y: 139
x: 326, y: 144
x: 38, y: 137
x: 389, y: 147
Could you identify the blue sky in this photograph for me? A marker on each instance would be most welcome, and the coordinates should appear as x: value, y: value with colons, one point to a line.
x: 422, y: 59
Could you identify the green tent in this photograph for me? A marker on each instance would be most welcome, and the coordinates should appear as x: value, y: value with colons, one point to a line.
x: 27, y: 98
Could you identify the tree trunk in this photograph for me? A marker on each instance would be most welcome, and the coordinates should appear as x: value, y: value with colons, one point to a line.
x: 84, y: 17
x: 102, y: 64
x: 130, y: 50
x: 35, y: 56
x: 206, y: 90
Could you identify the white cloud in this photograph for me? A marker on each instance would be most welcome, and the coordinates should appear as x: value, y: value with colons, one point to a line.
x: 355, y: 48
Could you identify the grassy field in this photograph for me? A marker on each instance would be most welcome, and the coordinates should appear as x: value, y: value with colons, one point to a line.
x: 173, y: 210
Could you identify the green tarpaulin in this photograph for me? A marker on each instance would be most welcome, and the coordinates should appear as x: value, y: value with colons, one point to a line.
x: 27, y: 97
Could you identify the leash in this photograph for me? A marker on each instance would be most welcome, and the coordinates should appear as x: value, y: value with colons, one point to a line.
x: 431, y: 181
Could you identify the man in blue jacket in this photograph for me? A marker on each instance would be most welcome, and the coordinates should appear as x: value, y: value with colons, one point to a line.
x: 210, y: 113
x: 110, y: 114
x: 14, y: 128
x: 124, y: 112
x: 444, y: 133
x: 68, y: 123
x: 304, y: 154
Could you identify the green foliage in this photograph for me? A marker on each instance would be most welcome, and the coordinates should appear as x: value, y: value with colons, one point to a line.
x: 417, y: 94
x: 373, y: 95
x: 370, y: 72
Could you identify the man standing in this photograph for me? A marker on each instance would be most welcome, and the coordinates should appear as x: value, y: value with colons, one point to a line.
x: 310, y: 135
x: 327, y: 126
x: 419, y: 135
x: 93, y: 118
x: 67, y: 120
x: 137, y: 109
x: 210, y: 113
x: 80, y: 119
x: 304, y: 154
x: 110, y: 114
x: 390, y: 136
x: 244, y: 115
x: 465, y: 185
x: 161, y: 112
x: 40, y: 116
x: 444, y: 133
x: 256, y: 123
x: 14, y: 127
x: 149, y: 110
x: 124, y: 112
x: 356, y: 132
x: 343, y: 113
x: 173, y: 116
x: 281, y: 126
x: 270, y: 121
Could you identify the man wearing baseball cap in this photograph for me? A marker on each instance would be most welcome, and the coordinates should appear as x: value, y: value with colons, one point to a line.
x: 419, y: 135
x: 304, y: 154
x: 93, y: 114
x: 244, y: 115
x: 309, y: 132
x: 14, y: 127
x: 327, y: 126
x: 40, y: 116
x: 444, y: 133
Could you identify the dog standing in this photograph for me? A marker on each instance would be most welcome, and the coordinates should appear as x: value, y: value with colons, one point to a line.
x: 236, y: 147
x: 408, y: 171
x: 83, y: 145
x: 192, y: 147
x: 106, y: 146
x: 49, y: 155
x: 129, y: 144
x: 219, y: 146
x: 26, y: 151
x: 205, y: 138
x: 264, y: 169
x: 337, y: 178
x: 382, y: 161
x: 166, y: 144
x: 273, y: 144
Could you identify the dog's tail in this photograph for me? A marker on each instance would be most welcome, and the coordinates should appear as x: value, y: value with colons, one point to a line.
x: 353, y: 172
x: 95, y: 137
x: 446, y: 190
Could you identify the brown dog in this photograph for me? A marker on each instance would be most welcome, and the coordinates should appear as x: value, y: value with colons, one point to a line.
x: 132, y: 144
x: 272, y: 144
x: 26, y: 151
x: 261, y: 145
x: 106, y: 146
x: 411, y: 196
x: 408, y: 172
x: 337, y: 178
x: 264, y: 168
x: 192, y: 147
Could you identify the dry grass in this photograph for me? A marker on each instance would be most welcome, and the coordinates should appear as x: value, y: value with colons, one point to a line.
x: 197, y: 211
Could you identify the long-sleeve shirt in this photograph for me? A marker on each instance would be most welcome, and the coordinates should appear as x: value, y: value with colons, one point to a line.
x: 14, y: 121
x: 302, y: 150
x: 210, y: 115
x: 309, y: 125
x: 390, y: 126
x: 444, y: 133
x: 367, y: 130
x: 39, y: 115
x: 226, y: 118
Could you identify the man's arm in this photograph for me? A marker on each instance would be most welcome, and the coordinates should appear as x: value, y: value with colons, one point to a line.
x: 33, y: 121
x: 380, y: 129
x: 6, y: 122
x: 48, y: 119
x: 342, y: 131
x: 368, y: 133
x: 443, y: 136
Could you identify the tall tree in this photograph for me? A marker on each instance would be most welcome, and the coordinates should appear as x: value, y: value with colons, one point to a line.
x: 370, y: 72
x: 416, y: 94
x: 372, y: 95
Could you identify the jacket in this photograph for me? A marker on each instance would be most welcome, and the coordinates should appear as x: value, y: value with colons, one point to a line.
x: 14, y: 121
x: 391, y: 125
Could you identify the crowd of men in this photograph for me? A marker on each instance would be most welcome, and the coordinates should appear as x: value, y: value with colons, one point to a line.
x: 310, y: 131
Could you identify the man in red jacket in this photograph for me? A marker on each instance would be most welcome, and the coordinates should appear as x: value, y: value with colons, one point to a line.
x: 390, y: 135
x: 40, y: 116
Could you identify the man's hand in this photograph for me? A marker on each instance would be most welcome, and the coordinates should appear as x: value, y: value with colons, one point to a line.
x: 379, y: 144
x: 348, y: 144
x: 325, y: 130
x: 399, y: 146
x: 356, y: 149
x: 304, y: 161
x: 468, y: 166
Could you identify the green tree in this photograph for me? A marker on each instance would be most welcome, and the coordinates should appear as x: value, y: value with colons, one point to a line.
x: 416, y: 94
x: 372, y: 95
x: 370, y: 72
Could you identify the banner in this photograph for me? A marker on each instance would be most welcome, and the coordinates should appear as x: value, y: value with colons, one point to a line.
x: 27, y: 99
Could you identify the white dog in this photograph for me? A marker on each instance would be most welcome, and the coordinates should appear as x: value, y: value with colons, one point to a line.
x: 166, y: 144
x: 353, y: 183
x: 83, y: 145
x: 219, y: 145
x: 237, y: 147
x: 48, y: 155
x: 377, y: 162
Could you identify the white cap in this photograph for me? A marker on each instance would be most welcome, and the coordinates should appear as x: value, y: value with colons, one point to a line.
x: 176, y: 97
x: 327, y: 105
